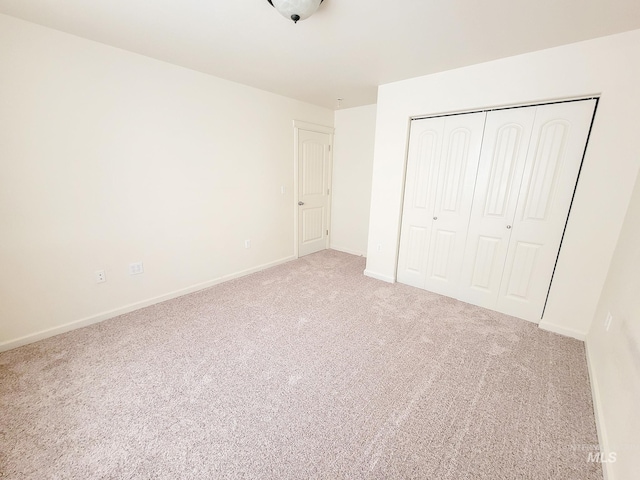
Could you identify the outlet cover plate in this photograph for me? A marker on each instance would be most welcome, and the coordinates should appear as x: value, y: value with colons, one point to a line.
x: 136, y: 268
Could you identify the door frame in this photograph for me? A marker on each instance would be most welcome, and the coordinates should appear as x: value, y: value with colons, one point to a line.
x: 310, y: 127
x: 595, y: 97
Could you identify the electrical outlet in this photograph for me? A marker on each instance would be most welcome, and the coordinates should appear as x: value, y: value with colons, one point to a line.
x: 247, y: 244
x: 101, y: 277
x: 136, y: 268
x: 379, y: 247
x: 607, y: 321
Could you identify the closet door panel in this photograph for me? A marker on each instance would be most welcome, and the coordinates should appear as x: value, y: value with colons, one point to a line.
x: 504, y: 151
x: 555, y: 154
x: 425, y: 148
x: 455, y: 184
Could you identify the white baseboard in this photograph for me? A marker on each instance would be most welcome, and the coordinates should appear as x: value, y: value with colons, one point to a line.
x: 348, y: 250
x: 597, y: 410
x: 50, y: 332
x: 378, y: 276
x: 567, y: 332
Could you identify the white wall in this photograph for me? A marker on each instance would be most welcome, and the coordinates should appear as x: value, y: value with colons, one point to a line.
x: 352, y: 170
x: 614, y: 355
x: 108, y: 157
x: 608, y: 66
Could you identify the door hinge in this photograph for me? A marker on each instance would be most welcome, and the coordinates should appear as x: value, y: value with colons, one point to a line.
x: 327, y: 191
x: 329, y: 147
x: 327, y: 232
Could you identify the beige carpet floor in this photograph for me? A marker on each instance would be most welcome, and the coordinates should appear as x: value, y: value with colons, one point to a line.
x: 306, y: 370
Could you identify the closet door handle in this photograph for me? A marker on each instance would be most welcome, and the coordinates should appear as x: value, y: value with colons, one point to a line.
x: 508, y: 227
x: 435, y: 218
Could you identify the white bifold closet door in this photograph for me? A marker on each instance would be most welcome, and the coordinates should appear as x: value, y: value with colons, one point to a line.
x: 557, y: 146
x: 495, y: 242
x: 441, y: 174
x: 504, y: 152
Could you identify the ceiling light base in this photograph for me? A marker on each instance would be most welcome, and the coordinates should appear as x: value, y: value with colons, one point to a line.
x: 296, y: 10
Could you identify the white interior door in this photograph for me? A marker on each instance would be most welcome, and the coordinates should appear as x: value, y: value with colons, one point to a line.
x: 314, y: 162
x: 455, y: 185
x: 558, y: 141
x: 504, y: 151
x: 425, y: 146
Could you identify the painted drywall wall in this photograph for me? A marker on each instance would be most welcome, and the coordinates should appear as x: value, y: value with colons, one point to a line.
x: 352, y: 171
x: 108, y: 158
x: 614, y: 354
x: 610, y: 67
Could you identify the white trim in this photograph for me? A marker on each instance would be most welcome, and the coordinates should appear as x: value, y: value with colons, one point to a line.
x: 348, y: 250
x: 603, y: 440
x: 508, y: 106
x: 312, y: 127
x: 379, y: 276
x: 330, y: 195
x: 296, y: 188
x: 567, y: 332
x: 50, y: 332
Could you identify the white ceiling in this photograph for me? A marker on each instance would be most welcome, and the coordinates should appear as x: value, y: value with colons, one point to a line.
x: 345, y: 49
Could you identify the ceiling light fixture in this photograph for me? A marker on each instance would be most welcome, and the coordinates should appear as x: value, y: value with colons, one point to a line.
x: 296, y: 9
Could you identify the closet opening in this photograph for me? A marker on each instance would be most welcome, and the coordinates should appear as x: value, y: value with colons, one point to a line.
x: 486, y: 202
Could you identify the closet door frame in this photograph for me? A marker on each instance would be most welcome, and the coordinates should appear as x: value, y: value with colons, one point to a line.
x: 547, y: 287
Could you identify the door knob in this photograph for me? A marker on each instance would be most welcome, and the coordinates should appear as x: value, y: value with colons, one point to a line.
x: 508, y: 227
x: 435, y: 218
x: 300, y: 203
